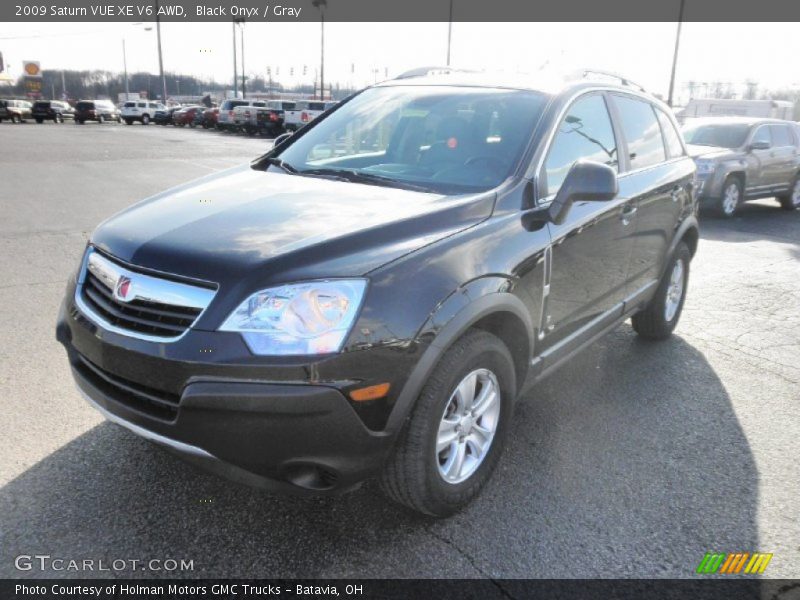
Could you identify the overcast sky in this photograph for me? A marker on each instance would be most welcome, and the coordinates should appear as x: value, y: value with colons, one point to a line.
x: 727, y: 52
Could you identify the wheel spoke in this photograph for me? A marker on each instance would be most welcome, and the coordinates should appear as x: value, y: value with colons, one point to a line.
x: 466, y: 392
x: 446, y: 436
x: 456, y: 461
x: 486, y: 400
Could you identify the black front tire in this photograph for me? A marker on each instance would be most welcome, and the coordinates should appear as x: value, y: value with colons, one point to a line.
x: 411, y: 473
x: 653, y: 323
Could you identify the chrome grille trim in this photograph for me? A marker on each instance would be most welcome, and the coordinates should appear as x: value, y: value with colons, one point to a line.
x: 168, y: 308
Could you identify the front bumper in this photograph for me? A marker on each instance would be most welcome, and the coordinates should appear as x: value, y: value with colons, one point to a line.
x: 287, y: 426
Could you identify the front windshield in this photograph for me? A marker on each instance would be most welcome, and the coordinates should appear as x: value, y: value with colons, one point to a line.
x: 448, y: 140
x: 724, y: 135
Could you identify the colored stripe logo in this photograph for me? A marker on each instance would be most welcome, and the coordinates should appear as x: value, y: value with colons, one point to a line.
x: 734, y: 563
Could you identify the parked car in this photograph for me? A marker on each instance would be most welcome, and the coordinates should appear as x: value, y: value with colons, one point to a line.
x: 741, y: 159
x: 381, y: 310
x: 52, y: 110
x: 185, y: 116
x: 304, y: 112
x: 164, y: 116
x: 16, y: 111
x: 209, y: 118
x: 96, y: 110
x: 225, y: 116
x: 261, y: 117
x: 141, y: 110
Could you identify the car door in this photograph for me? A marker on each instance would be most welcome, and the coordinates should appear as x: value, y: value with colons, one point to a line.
x: 591, y: 250
x: 658, y: 179
x: 761, y: 162
x: 785, y: 156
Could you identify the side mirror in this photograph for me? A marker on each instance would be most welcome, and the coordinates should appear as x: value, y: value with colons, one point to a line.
x: 760, y: 145
x: 281, y: 138
x: 586, y: 181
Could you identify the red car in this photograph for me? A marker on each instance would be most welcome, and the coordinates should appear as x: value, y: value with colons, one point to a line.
x: 209, y: 118
x: 185, y: 116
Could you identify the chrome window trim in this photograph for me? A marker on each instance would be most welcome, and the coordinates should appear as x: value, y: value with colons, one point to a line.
x: 146, y: 287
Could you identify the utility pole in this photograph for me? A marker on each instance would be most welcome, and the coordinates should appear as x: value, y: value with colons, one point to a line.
x: 125, y: 66
x: 321, y: 5
x: 63, y: 86
x: 449, y: 32
x: 235, y: 76
x: 241, y: 33
x: 161, y: 59
x: 675, y: 56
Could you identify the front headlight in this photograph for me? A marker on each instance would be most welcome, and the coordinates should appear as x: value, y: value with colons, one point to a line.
x: 313, y: 317
x: 704, y: 167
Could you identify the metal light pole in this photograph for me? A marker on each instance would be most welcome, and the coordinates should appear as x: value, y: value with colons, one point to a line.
x: 321, y: 5
x: 675, y: 56
x: 125, y: 66
x: 161, y: 59
x: 241, y: 34
x: 235, y: 75
x: 449, y: 32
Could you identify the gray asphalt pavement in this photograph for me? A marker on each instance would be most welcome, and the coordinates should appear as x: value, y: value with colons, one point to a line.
x: 632, y: 461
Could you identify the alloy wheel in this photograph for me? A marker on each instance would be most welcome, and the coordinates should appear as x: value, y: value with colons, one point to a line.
x: 468, y: 425
x: 674, y: 290
x: 730, y: 199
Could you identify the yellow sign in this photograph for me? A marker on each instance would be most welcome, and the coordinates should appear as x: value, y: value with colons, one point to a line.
x: 32, y: 68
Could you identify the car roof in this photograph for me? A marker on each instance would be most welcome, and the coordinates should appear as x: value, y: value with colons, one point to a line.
x: 545, y: 82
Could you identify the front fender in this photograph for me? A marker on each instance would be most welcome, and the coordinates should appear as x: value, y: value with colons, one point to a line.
x: 451, y: 319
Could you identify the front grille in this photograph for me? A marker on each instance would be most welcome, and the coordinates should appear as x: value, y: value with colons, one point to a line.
x: 143, y: 316
x: 147, y: 400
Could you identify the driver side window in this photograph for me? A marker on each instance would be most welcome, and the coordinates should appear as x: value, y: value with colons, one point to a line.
x: 584, y: 133
x: 762, y: 135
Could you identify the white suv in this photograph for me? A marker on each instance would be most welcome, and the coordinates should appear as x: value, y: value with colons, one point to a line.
x: 140, y: 110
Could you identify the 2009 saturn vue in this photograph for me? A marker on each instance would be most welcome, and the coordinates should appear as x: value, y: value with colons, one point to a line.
x: 373, y: 295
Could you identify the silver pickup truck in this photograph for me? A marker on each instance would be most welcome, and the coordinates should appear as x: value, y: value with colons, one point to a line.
x: 740, y: 158
x: 305, y: 112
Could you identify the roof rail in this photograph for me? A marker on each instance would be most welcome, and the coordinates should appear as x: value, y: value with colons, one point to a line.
x: 423, y: 71
x: 583, y: 73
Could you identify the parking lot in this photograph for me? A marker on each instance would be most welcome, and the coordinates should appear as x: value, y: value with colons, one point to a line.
x: 632, y: 461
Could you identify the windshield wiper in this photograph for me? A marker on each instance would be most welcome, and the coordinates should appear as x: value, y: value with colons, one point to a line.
x: 361, y: 177
x: 274, y: 160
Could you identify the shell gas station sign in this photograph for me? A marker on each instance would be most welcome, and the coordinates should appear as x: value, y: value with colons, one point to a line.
x: 33, y: 78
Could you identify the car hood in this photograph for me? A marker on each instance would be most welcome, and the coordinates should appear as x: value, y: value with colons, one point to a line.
x: 268, y: 227
x: 712, y: 152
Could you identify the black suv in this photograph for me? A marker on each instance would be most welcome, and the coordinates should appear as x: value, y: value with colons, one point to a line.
x: 52, y: 110
x: 374, y: 294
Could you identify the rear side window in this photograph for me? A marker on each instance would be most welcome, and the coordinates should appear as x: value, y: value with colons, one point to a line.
x: 671, y: 135
x: 641, y: 129
x: 585, y: 133
x: 130, y: 104
x: 781, y: 136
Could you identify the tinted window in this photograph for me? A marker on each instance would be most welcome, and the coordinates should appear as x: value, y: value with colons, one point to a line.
x: 586, y: 133
x: 722, y: 135
x: 84, y: 106
x: 316, y: 106
x: 41, y: 104
x: 762, y: 135
x: 671, y: 135
x: 781, y: 135
x: 645, y: 144
x: 130, y: 104
x: 287, y: 105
